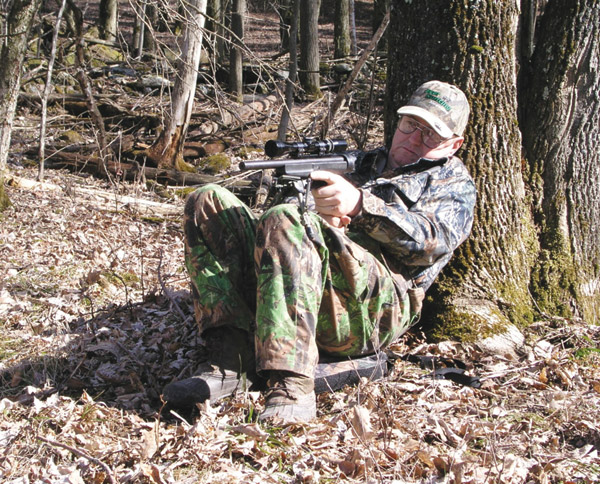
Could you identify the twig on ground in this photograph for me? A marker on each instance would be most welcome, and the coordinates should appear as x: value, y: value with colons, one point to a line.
x: 167, y: 292
x: 80, y: 453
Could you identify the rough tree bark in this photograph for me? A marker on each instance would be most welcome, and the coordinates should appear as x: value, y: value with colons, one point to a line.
x: 17, y: 27
x: 107, y: 19
x: 561, y: 133
x: 285, y: 11
x: 380, y: 8
x: 215, y: 24
x: 168, y: 148
x: 238, y: 11
x: 341, y: 29
x: 472, y: 45
x: 290, y: 82
x: 308, y: 72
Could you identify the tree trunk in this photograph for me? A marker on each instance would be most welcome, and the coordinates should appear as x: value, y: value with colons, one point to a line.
x: 47, y: 87
x: 309, y: 48
x: 285, y: 9
x: 168, y: 148
x: 216, y: 25
x: 12, y: 51
x: 561, y: 132
x: 380, y: 8
x: 341, y: 30
x: 236, y: 57
x: 354, y: 43
x: 473, y: 46
x: 290, y: 82
x: 107, y: 19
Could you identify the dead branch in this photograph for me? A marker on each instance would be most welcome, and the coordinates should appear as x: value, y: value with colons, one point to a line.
x: 85, y: 455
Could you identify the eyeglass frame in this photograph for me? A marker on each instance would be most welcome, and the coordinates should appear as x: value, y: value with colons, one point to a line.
x: 422, y: 127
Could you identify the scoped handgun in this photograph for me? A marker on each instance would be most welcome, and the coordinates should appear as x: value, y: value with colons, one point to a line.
x: 304, y: 157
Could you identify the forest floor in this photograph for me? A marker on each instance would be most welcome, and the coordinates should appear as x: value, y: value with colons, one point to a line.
x: 96, y: 317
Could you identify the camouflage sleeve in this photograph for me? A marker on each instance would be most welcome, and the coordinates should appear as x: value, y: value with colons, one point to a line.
x: 419, y: 218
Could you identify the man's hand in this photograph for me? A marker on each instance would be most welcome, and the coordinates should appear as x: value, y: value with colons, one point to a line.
x: 338, y: 201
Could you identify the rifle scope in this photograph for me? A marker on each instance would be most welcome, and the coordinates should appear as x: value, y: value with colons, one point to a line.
x: 274, y: 148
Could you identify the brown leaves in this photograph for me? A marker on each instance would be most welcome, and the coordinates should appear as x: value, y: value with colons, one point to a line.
x: 88, y: 341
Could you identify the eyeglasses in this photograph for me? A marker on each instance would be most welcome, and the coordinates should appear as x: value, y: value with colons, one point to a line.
x: 430, y: 138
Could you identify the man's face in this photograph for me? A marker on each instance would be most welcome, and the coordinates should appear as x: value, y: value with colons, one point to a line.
x: 407, y: 148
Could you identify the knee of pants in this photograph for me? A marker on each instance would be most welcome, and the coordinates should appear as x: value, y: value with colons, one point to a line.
x: 211, y: 197
x: 280, y: 216
x: 206, y: 190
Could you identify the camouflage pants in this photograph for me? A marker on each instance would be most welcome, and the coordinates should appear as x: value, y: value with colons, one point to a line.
x: 298, y: 285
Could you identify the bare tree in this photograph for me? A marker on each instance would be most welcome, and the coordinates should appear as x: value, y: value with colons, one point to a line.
x: 16, y: 28
x: 341, y: 29
x: 167, y: 150
x: 309, y: 48
x: 285, y: 9
x: 216, y: 24
x: 380, y: 7
x: 108, y: 19
x: 47, y: 87
x: 290, y: 83
x: 236, y: 57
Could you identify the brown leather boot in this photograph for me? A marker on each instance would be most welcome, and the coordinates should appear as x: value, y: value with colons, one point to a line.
x: 290, y: 399
x: 230, y: 367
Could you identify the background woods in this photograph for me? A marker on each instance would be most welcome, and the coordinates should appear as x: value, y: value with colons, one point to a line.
x: 154, y: 98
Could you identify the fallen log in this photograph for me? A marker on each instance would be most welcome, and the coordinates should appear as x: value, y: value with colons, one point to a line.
x: 91, y: 162
x: 103, y: 199
x: 133, y: 171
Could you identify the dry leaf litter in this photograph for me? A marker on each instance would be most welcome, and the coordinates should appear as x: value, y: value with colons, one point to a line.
x: 96, y: 318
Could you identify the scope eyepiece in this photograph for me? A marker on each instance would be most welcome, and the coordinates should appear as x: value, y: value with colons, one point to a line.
x: 274, y: 148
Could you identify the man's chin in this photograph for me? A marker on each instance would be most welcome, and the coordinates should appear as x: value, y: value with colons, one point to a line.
x: 403, y: 160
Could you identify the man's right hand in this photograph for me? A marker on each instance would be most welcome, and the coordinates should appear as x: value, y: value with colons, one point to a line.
x: 337, y: 201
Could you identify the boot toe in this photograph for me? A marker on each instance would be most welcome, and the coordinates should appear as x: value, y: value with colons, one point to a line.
x: 284, y: 409
x: 205, y: 386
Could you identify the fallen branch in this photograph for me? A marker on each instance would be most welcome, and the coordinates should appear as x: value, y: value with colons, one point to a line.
x: 80, y: 453
x: 104, y: 199
x: 167, y: 291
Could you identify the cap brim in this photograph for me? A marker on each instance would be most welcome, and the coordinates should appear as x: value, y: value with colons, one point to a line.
x: 432, y: 120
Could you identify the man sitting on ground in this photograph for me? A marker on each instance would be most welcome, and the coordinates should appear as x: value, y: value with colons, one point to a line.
x: 273, y: 293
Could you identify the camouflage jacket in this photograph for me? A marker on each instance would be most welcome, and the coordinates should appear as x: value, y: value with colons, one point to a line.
x: 419, y: 214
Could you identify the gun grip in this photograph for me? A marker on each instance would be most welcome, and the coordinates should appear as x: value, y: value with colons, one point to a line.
x: 318, y: 184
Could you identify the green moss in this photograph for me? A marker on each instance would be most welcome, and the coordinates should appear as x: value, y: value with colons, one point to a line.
x: 184, y: 192
x: 160, y: 190
x: 215, y: 163
x: 182, y: 165
x: 4, y: 199
x: 584, y: 353
x: 467, y: 326
x: 153, y: 220
x: 110, y: 277
x: 72, y: 136
x: 476, y: 49
x: 324, y: 68
x: 554, y: 275
x: 245, y: 151
x: 9, y: 346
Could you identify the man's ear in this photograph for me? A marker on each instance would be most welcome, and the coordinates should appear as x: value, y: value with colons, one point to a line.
x: 456, y: 143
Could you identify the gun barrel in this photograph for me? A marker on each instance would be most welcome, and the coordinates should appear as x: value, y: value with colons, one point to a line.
x: 303, y: 167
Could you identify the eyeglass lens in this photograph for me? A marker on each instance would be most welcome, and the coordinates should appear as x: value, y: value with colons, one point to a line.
x: 429, y: 137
